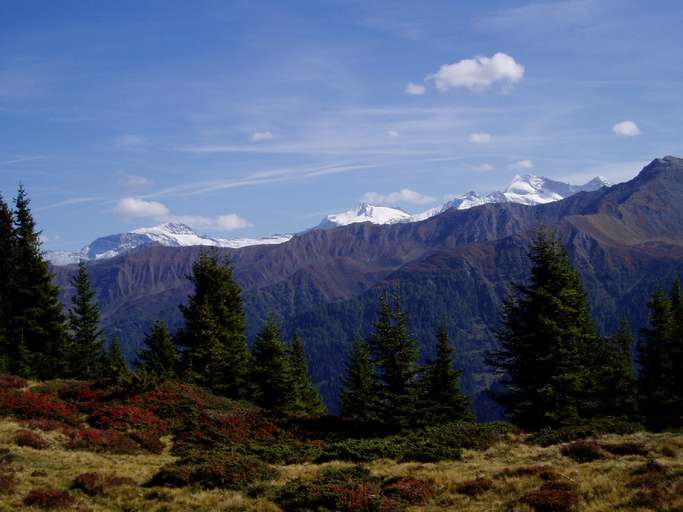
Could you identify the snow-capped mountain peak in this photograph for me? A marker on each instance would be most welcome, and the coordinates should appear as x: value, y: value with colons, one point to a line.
x: 365, y: 212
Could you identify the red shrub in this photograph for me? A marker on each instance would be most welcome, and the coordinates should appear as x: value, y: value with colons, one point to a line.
x: 49, y: 499
x: 583, y: 451
x: 30, y: 439
x: 148, y: 441
x: 38, y: 473
x: 85, y: 395
x: 127, y: 417
x: 6, y: 457
x: 543, y: 472
x: 553, y: 497
x: 8, y: 482
x: 475, y: 487
x: 12, y: 382
x: 110, y: 441
x: 408, y: 490
x: 29, y: 405
x: 93, y: 484
x: 625, y: 448
x: 48, y: 426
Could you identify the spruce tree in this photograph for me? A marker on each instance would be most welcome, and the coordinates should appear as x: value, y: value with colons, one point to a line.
x: 160, y: 356
x: 548, y: 344
x: 659, y: 380
x: 7, y: 246
x: 307, y: 401
x: 37, y: 320
x: 359, y: 399
x: 395, y: 359
x: 114, y: 365
x: 213, y: 341
x: 615, y: 378
x: 272, y: 373
x: 442, y: 400
x: 86, y: 345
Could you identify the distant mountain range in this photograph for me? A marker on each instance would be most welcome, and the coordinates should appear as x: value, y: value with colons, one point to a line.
x: 626, y: 240
x: 529, y: 190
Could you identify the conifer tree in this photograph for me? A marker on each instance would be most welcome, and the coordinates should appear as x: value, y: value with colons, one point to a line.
x: 7, y: 245
x: 359, y: 399
x: 616, y: 379
x: 548, y: 344
x: 442, y: 400
x: 395, y: 359
x: 308, y: 401
x: 159, y: 357
x: 37, y: 319
x: 213, y: 341
x: 272, y: 374
x: 114, y: 365
x: 86, y: 345
x: 659, y: 380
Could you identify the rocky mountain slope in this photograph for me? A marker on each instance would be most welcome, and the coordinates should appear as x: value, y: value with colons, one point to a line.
x: 626, y: 240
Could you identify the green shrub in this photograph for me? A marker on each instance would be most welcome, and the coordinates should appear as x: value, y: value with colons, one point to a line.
x: 214, y: 471
x: 594, y: 428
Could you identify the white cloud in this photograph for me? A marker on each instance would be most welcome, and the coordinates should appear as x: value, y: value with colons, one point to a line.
x: 128, y: 140
x: 415, y: 89
x: 393, y: 133
x: 479, y: 138
x: 402, y: 196
x: 478, y: 73
x: 482, y: 168
x: 626, y: 129
x: 225, y: 222
x: 259, y: 136
x: 521, y: 165
x: 133, y: 207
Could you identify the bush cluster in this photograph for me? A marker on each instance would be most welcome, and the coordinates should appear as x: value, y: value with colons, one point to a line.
x: 127, y: 417
x: 352, y: 490
x: 49, y: 499
x: 30, y: 405
x: 109, y: 441
x: 555, y: 496
x: 594, y: 428
x: 214, y: 471
x: 94, y: 484
x: 583, y: 451
x: 30, y: 439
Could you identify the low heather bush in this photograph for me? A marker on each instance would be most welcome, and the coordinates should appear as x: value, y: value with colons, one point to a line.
x: 49, y: 499
x: 125, y: 418
x: 214, y: 470
x: 475, y: 487
x: 8, y: 482
x: 553, y: 497
x: 546, y: 473
x: 30, y: 439
x: 94, y: 484
x: 625, y: 448
x: 594, y: 428
x: 12, y: 382
x: 583, y: 451
x: 108, y: 441
x: 43, y: 406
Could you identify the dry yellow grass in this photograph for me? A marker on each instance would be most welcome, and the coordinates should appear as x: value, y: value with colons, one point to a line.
x: 602, y: 483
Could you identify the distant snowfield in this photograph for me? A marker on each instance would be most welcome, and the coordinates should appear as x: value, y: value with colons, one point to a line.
x: 526, y: 189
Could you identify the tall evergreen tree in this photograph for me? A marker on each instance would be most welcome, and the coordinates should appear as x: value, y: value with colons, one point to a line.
x: 114, y: 365
x: 442, y: 399
x: 616, y: 379
x: 37, y: 319
x: 86, y: 345
x: 272, y: 374
x: 395, y: 358
x: 213, y: 339
x: 547, y: 344
x: 359, y: 399
x: 661, y: 396
x: 308, y: 401
x: 7, y: 246
x: 159, y: 357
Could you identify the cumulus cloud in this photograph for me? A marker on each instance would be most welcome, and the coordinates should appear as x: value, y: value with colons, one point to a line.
x: 479, y: 138
x: 259, y: 136
x: 415, y: 89
x: 521, y: 165
x: 133, y: 207
x: 478, y: 73
x: 226, y: 222
x: 393, y: 133
x: 626, y: 129
x: 402, y: 196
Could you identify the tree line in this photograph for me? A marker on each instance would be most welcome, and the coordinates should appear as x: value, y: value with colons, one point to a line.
x: 555, y: 369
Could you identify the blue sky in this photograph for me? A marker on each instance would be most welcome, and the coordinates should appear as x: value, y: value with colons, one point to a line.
x: 247, y: 118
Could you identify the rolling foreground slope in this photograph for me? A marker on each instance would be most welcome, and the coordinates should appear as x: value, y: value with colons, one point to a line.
x: 626, y: 240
